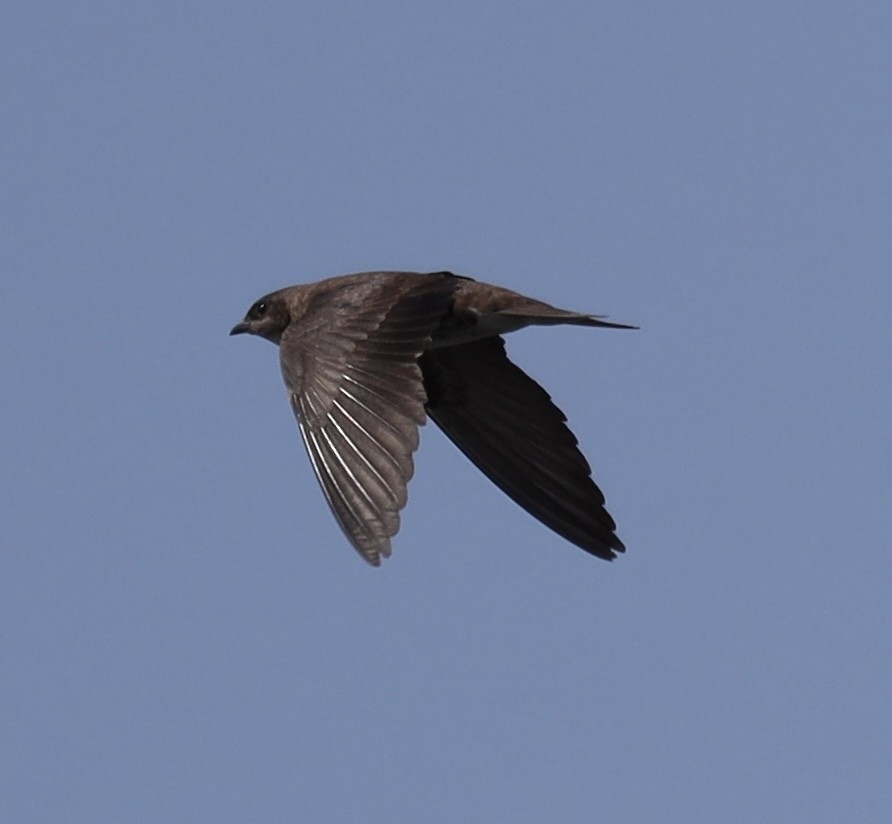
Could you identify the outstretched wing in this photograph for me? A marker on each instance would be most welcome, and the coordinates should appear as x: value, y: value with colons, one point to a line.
x: 508, y: 426
x: 351, y: 367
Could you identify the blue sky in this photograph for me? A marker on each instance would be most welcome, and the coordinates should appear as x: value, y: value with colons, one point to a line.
x: 186, y: 635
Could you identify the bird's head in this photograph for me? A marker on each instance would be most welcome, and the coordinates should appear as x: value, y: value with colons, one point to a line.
x: 268, y: 317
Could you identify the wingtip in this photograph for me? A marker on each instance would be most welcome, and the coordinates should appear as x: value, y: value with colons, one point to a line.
x: 373, y: 555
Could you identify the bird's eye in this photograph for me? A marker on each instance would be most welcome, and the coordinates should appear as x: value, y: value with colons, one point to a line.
x: 259, y: 309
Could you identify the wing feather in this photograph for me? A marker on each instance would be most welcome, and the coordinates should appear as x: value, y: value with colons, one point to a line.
x: 510, y: 428
x: 357, y: 391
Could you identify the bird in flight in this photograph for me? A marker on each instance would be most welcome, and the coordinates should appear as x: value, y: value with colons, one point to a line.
x: 367, y: 357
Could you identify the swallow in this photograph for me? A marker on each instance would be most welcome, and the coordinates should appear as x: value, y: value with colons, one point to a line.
x: 368, y: 357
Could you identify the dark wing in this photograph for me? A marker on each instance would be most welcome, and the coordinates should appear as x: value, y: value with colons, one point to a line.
x: 508, y: 426
x: 351, y: 367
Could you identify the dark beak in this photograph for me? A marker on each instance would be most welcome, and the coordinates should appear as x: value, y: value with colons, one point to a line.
x: 240, y: 329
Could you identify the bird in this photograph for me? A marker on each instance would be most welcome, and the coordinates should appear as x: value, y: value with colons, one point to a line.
x: 367, y: 357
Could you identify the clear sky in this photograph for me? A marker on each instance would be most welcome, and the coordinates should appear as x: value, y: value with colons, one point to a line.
x: 185, y: 634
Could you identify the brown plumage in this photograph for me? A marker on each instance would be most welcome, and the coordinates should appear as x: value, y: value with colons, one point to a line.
x: 367, y: 357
